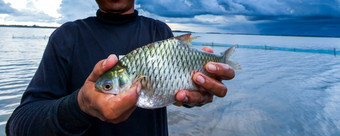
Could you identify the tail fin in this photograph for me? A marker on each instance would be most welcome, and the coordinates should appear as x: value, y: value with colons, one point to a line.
x: 227, y: 55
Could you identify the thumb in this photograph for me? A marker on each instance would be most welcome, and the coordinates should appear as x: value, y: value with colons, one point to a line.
x: 101, y: 67
x: 132, y: 93
x: 127, y: 99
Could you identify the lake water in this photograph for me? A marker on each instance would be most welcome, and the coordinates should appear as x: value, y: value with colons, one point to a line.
x: 277, y: 92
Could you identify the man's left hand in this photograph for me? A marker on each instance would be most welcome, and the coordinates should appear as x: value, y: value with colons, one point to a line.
x: 209, y: 86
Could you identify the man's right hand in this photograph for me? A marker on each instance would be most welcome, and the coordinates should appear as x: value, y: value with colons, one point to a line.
x: 107, y: 107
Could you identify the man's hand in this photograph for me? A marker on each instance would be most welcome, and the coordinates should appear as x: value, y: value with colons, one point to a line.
x: 107, y: 107
x: 209, y: 86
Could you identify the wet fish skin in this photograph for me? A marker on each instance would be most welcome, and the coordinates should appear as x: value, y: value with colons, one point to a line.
x: 163, y: 68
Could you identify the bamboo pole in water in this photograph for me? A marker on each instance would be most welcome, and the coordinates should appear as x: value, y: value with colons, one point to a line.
x: 334, y: 52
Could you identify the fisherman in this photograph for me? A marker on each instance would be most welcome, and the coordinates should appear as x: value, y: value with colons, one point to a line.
x: 61, y: 98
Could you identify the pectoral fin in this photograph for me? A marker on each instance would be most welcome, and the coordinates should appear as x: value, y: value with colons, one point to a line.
x: 140, y: 78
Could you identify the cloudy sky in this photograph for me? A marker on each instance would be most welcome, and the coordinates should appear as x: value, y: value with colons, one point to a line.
x: 288, y: 17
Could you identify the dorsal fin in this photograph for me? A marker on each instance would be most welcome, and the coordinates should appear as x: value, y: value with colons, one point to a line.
x: 185, y: 38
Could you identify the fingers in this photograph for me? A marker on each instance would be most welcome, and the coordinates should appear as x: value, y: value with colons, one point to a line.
x: 193, y: 98
x: 118, y: 108
x: 108, y: 107
x: 126, y: 99
x: 101, y: 67
x: 223, y: 71
x: 211, y: 85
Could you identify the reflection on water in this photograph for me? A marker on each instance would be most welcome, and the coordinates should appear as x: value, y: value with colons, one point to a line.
x: 276, y: 93
x: 19, y: 59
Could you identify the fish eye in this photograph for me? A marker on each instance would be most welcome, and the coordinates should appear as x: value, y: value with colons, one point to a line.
x: 107, y: 86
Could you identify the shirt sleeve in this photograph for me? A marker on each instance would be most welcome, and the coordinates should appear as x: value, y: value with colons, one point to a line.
x: 48, y: 107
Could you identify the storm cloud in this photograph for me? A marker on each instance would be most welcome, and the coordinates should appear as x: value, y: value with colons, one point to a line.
x: 288, y: 17
x: 191, y: 8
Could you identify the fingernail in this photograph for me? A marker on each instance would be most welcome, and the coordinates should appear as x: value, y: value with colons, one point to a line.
x: 200, y: 79
x: 104, y: 63
x: 211, y: 68
x: 185, y: 100
x: 110, y: 57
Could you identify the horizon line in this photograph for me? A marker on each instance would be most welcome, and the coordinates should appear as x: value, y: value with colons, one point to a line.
x: 182, y: 31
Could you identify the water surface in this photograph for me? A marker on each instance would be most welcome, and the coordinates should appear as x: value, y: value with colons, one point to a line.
x: 20, y: 53
x: 276, y: 93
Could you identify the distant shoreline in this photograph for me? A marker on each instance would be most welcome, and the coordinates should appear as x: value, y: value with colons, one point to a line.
x: 28, y: 26
x: 180, y: 31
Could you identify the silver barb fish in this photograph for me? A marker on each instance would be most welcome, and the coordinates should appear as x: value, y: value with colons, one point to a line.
x: 163, y: 68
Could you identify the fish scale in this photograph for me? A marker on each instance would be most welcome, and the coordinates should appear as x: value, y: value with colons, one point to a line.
x: 163, y: 67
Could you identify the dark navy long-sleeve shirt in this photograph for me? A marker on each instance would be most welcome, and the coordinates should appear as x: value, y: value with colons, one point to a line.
x: 49, y: 105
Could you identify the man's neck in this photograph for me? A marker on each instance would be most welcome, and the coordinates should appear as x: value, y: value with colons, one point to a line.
x: 119, y: 12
